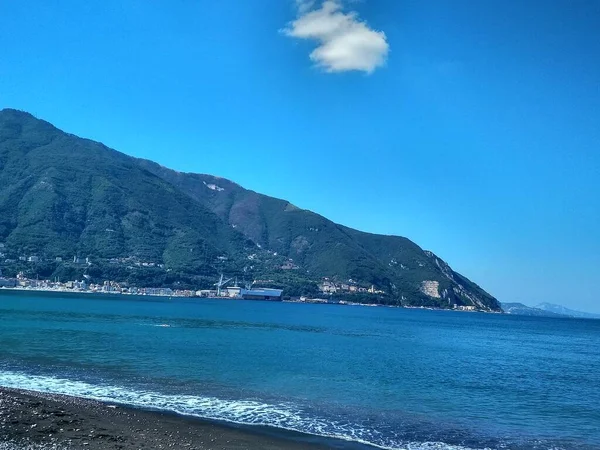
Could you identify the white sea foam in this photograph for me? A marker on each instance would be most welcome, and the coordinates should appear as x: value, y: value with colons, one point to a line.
x: 246, y: 412
x: 30, y: 446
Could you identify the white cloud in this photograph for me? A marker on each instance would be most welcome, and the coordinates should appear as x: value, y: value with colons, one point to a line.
x: 304, y: 5
x: 345, y: 42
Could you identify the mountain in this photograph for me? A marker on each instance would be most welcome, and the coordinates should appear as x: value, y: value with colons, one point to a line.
x: 65, y: 197
x: 558, y: 309
x: 523, y: 310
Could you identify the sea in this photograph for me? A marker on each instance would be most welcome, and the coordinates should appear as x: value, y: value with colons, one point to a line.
x: 380, y: 377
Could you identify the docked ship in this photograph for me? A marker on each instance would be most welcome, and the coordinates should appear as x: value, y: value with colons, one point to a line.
x: 247, y: 293
x: 268, y: 294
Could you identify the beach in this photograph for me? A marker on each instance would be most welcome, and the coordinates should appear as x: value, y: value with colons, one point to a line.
x: 31, y: 420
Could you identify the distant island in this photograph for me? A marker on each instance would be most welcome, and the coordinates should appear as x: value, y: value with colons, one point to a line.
x: 546, y: 310
x: 74, y: 209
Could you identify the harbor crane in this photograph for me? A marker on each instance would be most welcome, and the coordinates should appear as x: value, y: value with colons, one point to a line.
x: 219, y: 284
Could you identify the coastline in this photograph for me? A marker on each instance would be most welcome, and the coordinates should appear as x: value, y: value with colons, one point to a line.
x: 35, y: 420
x: 123, y: 294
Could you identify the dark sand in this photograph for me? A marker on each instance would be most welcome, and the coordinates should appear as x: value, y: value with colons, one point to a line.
x: 30, y: 420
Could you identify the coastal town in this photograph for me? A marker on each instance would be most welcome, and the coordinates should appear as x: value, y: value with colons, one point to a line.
x: 327, y: 288
x: 26, y: 277
x: 221, y: 290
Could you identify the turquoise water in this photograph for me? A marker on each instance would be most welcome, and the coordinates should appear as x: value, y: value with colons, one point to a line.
x: 395, y: 378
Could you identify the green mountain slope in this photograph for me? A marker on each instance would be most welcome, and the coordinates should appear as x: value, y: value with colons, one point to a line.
x: 63, y: 196
x: 391, y: 263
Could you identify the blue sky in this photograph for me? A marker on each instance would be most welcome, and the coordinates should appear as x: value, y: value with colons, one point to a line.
x: 470, y: 127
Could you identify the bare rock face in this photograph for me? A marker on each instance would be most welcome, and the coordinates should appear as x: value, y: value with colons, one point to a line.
x: 431, y: 288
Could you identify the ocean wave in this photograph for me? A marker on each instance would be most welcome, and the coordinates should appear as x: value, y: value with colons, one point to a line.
x: 285, y: 416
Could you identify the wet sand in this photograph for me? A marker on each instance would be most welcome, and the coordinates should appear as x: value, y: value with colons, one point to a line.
x: 37, y: 421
